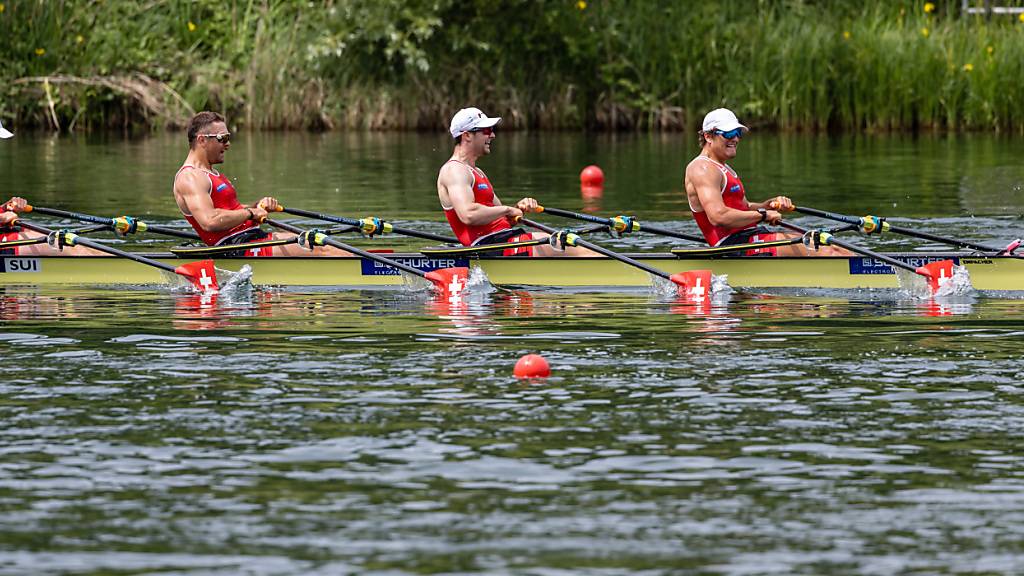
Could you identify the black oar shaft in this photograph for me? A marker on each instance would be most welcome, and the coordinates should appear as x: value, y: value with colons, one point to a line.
x: 352, y: 249
x: 900, y: 230
x: 103, y: 248
x: 608, y: 222
x: 602, y: 250
x: 109, y: 222
x: 857, y: 249
x: 354, y: 222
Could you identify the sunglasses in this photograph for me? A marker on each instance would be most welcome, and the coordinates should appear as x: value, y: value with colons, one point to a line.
x: 734, y: 133
x: 223, y: 138
x: 485, y: 131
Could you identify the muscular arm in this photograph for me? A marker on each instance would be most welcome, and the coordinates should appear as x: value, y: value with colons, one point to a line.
x: 191, y: 192
x: 706, y: 183
x: 458, y: 183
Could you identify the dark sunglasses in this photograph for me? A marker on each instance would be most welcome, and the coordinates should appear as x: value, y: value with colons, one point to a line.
x: 223, y: 137
x: 734, y: 133
x: 485, y: 131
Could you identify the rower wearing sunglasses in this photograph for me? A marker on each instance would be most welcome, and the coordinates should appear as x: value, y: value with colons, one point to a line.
x: 473, y: 210
x: 718, y: 200
x: 208, y: 200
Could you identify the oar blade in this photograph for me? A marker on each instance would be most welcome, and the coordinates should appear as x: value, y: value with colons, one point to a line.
x: 938, y: 273
x: 693, y: 284
x: 201, y: 274
x: 449, y: 282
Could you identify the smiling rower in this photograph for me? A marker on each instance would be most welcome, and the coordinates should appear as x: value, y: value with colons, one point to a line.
x: 718, y: 200
x: 473, y: 210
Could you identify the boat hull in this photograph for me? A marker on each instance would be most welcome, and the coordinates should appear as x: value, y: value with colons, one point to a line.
x: 987, y: 273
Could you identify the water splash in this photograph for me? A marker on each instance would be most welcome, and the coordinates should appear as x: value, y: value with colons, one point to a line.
x: 477, y: 284
x: 916, y: 286
x: 662, y: 288
x: 231, y: 283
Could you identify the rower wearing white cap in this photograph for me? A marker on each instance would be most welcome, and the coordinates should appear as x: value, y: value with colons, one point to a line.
x: 473, y: 210
x: 718, y: 200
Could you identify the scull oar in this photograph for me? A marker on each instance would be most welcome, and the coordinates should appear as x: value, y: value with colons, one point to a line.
x: 620, y: 224
x: 692, y: 284
x: 449, y: 282
x: 876, y: 225
x: 368, y: 226
x: 123, y: 225
x: 201, y: 274
x: 933, y: 272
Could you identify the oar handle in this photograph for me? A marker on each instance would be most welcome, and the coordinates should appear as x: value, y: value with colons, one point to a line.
x: 600, y: 250
x: 362, y: 253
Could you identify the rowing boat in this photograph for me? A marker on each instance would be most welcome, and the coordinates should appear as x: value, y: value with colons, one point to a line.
x: 986, y: 272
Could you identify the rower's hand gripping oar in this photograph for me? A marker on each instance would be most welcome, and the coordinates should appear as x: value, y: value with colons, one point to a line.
x: 694, y: 284
x: 877, y: 225
x: 201, y: 274
x: 369, y: 226
x: 620, y: 225
x: 449, y: 282
x: 934, y: 272
x: 123, y: 225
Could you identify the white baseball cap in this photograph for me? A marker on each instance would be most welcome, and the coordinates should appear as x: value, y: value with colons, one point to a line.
x: 470, y: 119
x: 722, y: 119
x: 4, y: 132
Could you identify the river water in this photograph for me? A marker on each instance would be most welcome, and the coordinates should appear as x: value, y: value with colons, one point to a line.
x: 291, y: 431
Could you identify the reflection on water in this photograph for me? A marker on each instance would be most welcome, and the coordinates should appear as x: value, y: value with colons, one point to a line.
x: 378, y: 431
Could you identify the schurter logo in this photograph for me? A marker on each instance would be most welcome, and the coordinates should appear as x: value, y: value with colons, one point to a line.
x: 374, y: 268
x: 20, y: 265
x: 872, y: 266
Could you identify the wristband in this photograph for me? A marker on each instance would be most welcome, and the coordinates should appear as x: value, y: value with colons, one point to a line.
x: 763, y: 213
x: 252, y: 214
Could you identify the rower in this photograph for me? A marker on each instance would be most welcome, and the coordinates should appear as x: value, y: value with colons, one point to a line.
x: 208, y: 201
x: 473, y: 210
x: 719, y: 203
x: 9, y: 232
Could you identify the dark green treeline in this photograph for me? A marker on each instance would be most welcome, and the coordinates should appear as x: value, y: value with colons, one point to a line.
x: 598, y: 64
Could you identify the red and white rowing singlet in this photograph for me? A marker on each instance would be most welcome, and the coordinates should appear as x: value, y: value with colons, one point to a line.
x: 224, y: 197
x: 7, y: 235
x: 483, y: 193
x: 733, y: 196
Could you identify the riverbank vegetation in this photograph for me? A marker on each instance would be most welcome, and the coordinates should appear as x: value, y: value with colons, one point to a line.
x: 600, y: 64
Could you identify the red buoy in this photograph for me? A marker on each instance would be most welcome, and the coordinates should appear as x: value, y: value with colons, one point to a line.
x: 532, y: 366
x: 591, y: 177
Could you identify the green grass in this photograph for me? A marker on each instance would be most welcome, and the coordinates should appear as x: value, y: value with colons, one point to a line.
x: 871, y: 65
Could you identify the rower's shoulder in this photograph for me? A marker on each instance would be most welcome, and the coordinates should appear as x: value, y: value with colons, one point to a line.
x: 189, y: 179
x: 454, y: 171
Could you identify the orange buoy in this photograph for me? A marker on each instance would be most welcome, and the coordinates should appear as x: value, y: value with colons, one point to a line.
x: 591, y: 177
x: 532, y: 366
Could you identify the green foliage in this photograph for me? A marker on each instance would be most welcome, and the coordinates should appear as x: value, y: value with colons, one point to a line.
x: 794, y: 64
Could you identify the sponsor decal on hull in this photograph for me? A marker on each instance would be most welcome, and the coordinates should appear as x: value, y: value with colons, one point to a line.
x: 426, y: 264
x: 865, y: 265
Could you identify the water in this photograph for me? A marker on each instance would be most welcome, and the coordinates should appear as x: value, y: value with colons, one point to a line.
x: 379, y: 432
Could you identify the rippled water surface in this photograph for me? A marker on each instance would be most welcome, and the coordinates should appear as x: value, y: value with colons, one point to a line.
x: 290, y: 431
